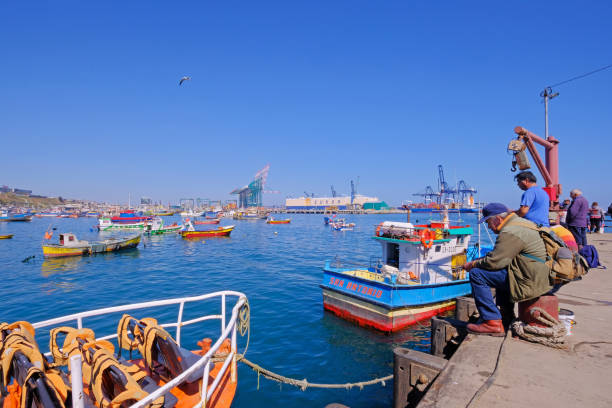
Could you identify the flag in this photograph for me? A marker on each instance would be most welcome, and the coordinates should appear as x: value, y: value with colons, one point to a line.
x: 48, y: 234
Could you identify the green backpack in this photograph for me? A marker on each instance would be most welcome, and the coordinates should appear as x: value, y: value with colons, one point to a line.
x: 565, y: 265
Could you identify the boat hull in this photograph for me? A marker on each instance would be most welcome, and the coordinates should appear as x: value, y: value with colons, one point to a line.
x: 224, y: 232
x: 56, y: 251
x: 9, y: 236
x: 383, y: 306
x: 278, y: 221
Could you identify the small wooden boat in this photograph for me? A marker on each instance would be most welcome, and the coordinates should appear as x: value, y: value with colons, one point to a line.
x: 164, y: 213
x: 9, y: 236
x: 14, y: 217
x: 214, y: 221
x: 157, y: 227
x: 219, y: 232
x: 69, y: 245
x: 273, y: 221
x: 175, y: 373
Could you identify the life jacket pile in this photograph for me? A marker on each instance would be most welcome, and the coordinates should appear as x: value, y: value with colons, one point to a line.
x: 111, y: 383
x: 27, y: 378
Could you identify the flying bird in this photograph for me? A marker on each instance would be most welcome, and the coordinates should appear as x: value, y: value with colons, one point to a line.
x: 183, y: 79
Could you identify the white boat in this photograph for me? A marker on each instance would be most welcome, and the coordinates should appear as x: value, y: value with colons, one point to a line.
x: 166, y: 375
x: 191, y: 213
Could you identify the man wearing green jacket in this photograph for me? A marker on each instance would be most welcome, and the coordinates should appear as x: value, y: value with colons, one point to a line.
x: 512, y: 268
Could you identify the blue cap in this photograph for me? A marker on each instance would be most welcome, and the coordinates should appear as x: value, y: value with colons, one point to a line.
x: 491, y: 210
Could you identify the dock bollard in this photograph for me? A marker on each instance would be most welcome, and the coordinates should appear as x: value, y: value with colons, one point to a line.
x: 413, y: 373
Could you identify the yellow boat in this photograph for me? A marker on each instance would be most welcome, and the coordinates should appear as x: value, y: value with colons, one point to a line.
x: 69, y: 245
x: 9, y: 236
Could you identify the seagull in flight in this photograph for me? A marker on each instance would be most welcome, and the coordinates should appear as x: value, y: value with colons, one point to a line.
x: 183, y: 79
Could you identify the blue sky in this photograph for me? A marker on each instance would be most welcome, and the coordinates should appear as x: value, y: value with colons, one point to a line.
x: 324, y: 91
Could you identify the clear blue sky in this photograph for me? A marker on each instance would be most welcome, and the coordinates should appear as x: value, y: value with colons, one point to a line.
x: 324, y: 91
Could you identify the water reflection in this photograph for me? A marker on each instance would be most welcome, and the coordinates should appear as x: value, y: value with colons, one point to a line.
x: 51, y: 266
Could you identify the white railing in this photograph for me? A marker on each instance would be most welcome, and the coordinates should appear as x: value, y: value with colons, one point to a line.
x: 227, y: 328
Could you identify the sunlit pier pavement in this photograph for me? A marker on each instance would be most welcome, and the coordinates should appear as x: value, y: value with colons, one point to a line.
x: 534, y: 375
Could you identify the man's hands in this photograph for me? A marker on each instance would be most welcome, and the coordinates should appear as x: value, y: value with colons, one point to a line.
x: 468, y: 266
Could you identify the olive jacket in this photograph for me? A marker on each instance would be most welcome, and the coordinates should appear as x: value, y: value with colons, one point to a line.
x: 527, y: 277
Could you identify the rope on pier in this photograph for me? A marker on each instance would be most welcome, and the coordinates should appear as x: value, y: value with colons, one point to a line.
x: 552, y: 336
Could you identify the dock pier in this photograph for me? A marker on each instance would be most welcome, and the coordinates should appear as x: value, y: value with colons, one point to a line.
x: 500, y: 372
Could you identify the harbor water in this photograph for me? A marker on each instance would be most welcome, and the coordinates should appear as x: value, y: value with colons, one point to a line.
x: 278, y: 267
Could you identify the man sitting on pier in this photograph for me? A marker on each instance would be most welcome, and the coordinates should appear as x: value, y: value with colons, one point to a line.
x: 511, y: 268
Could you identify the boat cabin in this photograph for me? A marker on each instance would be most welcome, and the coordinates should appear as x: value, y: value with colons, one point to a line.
x: 70, y: 240
x: 422, y: 254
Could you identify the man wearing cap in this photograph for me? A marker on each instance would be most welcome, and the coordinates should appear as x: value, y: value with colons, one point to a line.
x: 534, y: 201
x: 511, y: 268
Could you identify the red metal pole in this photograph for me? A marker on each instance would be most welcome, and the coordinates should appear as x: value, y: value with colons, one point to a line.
x: 549, y: 169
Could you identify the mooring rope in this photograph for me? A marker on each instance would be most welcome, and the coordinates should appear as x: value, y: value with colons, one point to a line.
x: 552, y: 336
x: 304, y: 384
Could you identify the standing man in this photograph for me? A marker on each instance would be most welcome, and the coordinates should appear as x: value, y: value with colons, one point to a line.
x: 513, y: 268
x: 597, y: 217
x: 577, y: 216
x: 534, y: 202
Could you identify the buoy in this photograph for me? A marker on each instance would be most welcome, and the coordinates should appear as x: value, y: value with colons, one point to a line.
x: 275, y: 232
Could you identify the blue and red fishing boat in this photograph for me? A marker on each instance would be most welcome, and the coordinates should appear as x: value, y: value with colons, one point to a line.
x: 418, y: 276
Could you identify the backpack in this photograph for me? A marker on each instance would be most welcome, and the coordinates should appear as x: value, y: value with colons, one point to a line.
x: 565, y: 265
x: 589, y: 253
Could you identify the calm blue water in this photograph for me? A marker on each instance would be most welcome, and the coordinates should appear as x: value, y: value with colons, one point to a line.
x: 280, y: 274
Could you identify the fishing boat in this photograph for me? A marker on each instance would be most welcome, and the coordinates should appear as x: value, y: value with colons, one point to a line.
x: 418, y: 276
x: 69, y: 245
x: 249, y: 216
x: 8, y: 236
x: 148, y: 367
x: 191, y: 232
x: 127, y: 219
x: 273, y: 221
x: 163, y: 213
x: 205, y: 222
x: 157, y: 227
x: 340, y: 224
x: 191, y: 213
x: 14, y: 217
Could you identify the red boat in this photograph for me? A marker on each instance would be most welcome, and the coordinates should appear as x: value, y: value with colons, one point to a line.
x: 130, y: 217
x: 273, y: 221
x: 219, y: 232
x: 215, y: 221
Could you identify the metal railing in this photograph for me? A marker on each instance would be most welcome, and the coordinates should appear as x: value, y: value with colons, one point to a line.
x: 228, y: 328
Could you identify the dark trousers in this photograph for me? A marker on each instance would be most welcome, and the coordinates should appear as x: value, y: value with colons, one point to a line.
x: 595, y: 224
x: 579, y: 234
x: 482, y: 281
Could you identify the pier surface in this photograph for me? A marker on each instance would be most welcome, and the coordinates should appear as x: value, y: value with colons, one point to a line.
x: 530, y: 374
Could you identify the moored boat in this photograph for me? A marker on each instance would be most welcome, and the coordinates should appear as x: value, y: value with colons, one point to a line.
x: 14, y: 217
x: 206, y: 222
x: 69, y: 245
x: 157, y: 227
x: 8, y: 236
x: 161, y: 373
x: 273, y: 221
x: 418, y: 276
x: 191, y: 232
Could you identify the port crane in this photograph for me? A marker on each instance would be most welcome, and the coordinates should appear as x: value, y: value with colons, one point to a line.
x: 334, y: 194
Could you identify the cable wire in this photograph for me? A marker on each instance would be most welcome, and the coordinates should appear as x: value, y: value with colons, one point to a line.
x: 580, y: 76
